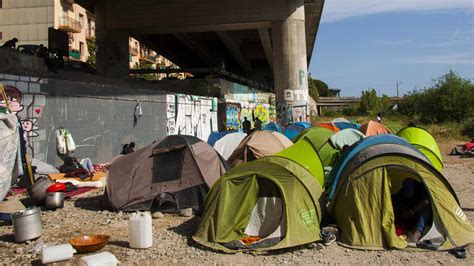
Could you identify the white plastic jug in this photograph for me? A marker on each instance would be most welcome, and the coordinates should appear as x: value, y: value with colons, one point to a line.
x: 100, y: 259
x: 56, y: 253
x: 140, y: 233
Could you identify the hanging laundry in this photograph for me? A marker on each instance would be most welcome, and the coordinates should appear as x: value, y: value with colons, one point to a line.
x: 64, y: 142
x: 137, y: 113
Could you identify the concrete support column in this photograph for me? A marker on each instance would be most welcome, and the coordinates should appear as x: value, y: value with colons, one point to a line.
x: 112, y: 58
x: 290, y: 66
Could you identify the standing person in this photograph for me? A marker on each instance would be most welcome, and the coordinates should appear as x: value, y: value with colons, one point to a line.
x: 11, y: 43
x: 258, y: 124
x: 246, y: 126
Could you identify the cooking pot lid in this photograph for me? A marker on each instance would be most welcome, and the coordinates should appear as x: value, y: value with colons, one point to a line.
x: 29, y: 211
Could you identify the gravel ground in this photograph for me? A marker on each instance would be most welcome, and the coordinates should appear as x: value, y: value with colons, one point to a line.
x: 172, y: 241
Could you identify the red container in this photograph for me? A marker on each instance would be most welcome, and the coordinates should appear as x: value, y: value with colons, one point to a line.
x: 56, y: 187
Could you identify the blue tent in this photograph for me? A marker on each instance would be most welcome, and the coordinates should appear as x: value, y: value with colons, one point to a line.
x: 344, y: 125
x: 303, y: 124
x: 215, y: 136
x: 293, y: 130
x: 272, y: 127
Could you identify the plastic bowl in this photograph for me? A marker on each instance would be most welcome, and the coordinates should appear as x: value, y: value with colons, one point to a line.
x: 89, y: 243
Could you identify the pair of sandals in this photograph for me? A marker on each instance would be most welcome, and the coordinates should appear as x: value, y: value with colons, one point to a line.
x: 459, y: 253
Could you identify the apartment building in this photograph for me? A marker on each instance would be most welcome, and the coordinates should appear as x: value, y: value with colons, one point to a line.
x: 140, y: 54
x: 29, y: 20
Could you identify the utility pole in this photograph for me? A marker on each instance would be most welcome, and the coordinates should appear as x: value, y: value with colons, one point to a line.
x: 398, y: 84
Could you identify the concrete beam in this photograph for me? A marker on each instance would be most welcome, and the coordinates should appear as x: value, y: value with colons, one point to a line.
x: 196, y: 48
x: 234, y: 49
x: 267, y: 46
x: 125, y: 14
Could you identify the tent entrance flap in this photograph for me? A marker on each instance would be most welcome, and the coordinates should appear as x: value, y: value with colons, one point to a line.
x: 267, y: 224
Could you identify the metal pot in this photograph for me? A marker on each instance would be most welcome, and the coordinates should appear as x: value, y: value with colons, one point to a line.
x: 38, y: 190
x: 27, y: 224
x: 54, y: 200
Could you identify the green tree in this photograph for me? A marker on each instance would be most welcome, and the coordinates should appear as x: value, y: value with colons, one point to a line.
x: 450, y: 99
x: 368, y: 102
x: 323, y: 88
x: 91, y: 47
x: 369, y: 105
x: 318, y: 88
x: 313, y: 90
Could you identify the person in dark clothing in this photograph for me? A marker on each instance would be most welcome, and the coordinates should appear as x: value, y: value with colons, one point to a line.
x: 258, y: 124
x: 11, y: 43
x: 128, y: 148
x: 412, y: 206
x: 69, y: 165
x: 246, y: 126
x: 72, y: 168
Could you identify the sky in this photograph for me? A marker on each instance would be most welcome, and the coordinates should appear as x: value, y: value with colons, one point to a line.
x: 364, y: 44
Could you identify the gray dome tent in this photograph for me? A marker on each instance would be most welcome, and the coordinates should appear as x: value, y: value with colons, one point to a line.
x: 178, y: 169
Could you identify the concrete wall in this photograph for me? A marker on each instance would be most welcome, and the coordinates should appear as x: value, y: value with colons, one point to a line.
x: 101, y: 117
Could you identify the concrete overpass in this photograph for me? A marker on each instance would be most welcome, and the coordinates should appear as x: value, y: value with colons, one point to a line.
x: 267, y: 41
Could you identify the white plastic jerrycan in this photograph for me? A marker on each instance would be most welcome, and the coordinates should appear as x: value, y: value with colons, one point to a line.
x: 140, y: 233
x: 56, y: 253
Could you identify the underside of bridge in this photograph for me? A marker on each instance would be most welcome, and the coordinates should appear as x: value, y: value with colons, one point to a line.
x: 267, y: 41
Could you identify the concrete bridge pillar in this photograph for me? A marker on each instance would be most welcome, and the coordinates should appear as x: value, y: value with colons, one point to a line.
x: 290, y: 66
x: 112, y: 47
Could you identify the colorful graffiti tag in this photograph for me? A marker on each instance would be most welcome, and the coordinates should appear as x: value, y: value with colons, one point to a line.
x: 237, y: 111
x: 233, y: 116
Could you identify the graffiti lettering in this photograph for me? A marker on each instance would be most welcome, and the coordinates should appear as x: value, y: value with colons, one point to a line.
x: 302, y: 75
x: 295, y: 95
x: 191, y: 115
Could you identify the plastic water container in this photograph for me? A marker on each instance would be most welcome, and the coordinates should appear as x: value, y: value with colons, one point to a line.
x: 56, y: 253
x: 140, y: 233
x: 100, y: 259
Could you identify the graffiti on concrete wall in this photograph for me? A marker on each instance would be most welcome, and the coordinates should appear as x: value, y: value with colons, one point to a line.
x: 26, y: 102
x: 237, y: 111
x: 287, y: 114
x: 233, y: 115
x: 191, y: 115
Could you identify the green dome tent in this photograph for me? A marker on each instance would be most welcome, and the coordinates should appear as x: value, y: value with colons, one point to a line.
x: 273, y: 201
x: 303, y: 153
x: 365, y: 178
x: 424, y: 141
x: 319, y: 138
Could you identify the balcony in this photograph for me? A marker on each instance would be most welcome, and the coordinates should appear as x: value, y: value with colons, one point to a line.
x: 69, y: 25
x: 90, y: 34
x: 75, y: 54
x: 149, y: 58
x: 133, y: 51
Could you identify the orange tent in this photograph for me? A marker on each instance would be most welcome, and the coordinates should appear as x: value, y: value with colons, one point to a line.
x: 329, y: 126
x: 373, y: 128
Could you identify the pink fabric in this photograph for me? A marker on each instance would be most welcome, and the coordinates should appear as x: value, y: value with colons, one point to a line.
x: 16, y: 191
x: 76, y: 192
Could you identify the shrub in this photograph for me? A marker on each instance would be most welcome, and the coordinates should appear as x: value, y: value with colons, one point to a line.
x: 451, y: 99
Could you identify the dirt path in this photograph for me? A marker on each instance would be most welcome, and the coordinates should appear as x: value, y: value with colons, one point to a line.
x: 172, y: 234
